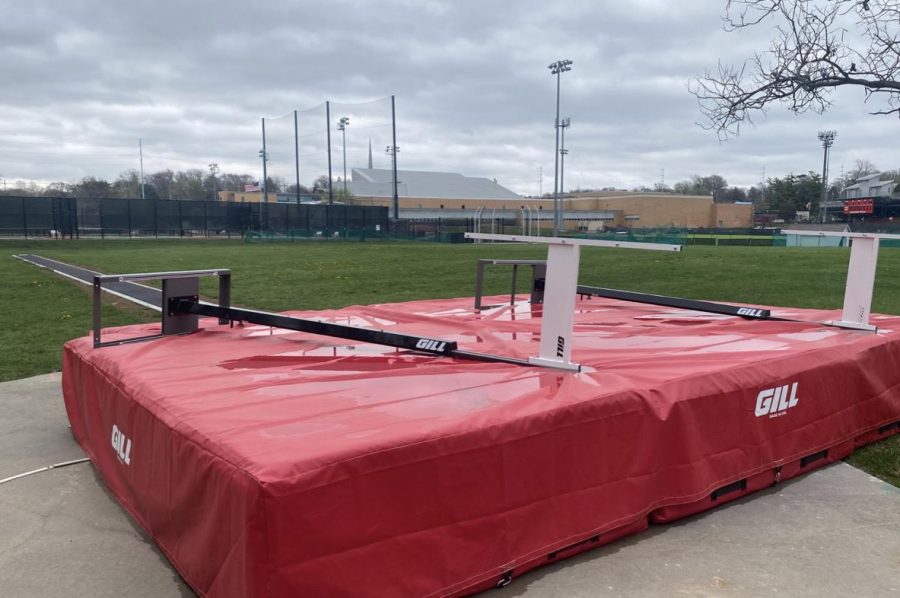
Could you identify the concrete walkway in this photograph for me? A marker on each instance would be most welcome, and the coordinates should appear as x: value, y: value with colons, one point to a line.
x: 835, y: 532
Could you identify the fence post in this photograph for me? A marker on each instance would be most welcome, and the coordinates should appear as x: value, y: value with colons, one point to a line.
x: 180, y: 220
x: 102, y: 225
x: 156, y: 218
x: 129, y: 218
x: 205, y: 223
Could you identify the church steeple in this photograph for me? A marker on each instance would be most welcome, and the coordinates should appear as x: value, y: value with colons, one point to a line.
x: 370, y: 154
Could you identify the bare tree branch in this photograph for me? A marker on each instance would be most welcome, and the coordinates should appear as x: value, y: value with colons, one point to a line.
x: 809, y: 57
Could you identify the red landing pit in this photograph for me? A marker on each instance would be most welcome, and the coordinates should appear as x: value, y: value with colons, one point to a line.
x: 273, y: 463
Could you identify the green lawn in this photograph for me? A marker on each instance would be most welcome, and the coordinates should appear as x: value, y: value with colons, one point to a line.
x: 41, y: 311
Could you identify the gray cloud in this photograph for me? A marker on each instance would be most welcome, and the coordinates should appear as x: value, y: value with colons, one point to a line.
x: 83, y: 80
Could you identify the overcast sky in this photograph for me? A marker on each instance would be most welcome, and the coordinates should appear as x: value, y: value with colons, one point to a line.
x: 84, y: 80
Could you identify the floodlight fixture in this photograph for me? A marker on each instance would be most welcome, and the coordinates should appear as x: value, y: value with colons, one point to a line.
x: 560, y: 66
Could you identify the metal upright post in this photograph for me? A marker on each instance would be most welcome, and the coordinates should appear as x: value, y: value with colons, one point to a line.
x: 827, y: 139
x: 342, y: 127
x: 297, y: 155
x: 556, y: 162
x: 562, y: 156
x: 557, y: 68
x: 396, y: 204
x: 265, y: 184
x: 328, y: 141
x: 141, y: 150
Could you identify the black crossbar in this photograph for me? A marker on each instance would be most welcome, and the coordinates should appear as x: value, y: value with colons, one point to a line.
x: 378, y: 337
x: 424, y: 344
x: 753, y: 313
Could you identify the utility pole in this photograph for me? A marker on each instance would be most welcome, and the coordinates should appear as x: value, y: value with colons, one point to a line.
x: 557, y: 68
x: 827, y: 139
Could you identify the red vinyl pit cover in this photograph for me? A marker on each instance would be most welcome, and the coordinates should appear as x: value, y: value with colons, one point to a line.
x: 275, y: 463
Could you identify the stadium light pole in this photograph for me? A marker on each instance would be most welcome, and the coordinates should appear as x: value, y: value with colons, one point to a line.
x: 564, y: 124
x: 827, y: 139
x: 557, y: 68
x: 342, y: 127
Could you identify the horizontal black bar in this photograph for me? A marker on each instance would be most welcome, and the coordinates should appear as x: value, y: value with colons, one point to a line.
x: 379, y: 337
x: 813, y: 458
x: 737, y: 486
x: 754, y: 313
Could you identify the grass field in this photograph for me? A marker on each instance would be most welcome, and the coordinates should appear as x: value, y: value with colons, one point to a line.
x: 40, y: 311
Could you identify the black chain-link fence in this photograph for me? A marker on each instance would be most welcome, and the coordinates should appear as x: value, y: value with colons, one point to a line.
x: 67, y: 217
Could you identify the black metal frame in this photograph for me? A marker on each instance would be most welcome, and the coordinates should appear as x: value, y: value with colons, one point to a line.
x: 173, y: 282
x: 538, y: 277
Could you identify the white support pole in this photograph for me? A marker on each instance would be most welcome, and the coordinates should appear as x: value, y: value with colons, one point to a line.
x: 860, y: 276
x: 558, y: 314
x: 558, y: 311
x: 860, y: 284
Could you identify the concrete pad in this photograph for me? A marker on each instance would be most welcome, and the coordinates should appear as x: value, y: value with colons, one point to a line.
x: 834, y: 532
x: 61, y: 533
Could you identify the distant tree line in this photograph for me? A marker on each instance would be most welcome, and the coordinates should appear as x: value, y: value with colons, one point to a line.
x: 713, y: 184
x: 165, y: 184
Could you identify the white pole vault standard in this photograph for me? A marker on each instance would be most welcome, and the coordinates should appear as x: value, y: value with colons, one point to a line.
x: 860, y: 275
x: 560, y: 288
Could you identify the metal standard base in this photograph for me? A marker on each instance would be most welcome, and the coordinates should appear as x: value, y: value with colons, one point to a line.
x: 851, y: 325
x: 185, y: 282
x: 555, y: 363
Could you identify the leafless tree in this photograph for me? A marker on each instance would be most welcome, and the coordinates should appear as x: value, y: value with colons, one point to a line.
x: 818, y: 46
